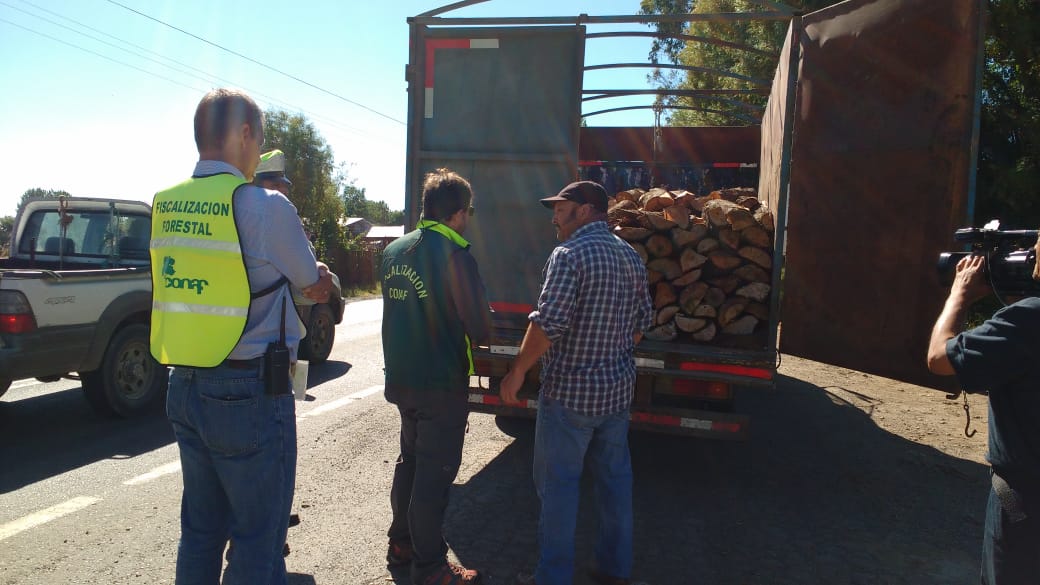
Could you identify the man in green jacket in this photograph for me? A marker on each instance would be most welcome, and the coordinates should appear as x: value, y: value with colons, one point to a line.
x: 434, y: 309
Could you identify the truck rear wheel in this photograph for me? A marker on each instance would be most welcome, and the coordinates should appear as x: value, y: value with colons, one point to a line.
x: 129, y: 381
x: 321, y: 334
x: 4, y: 385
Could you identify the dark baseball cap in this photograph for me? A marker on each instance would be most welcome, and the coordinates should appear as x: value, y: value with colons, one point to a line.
x: 581, y: 192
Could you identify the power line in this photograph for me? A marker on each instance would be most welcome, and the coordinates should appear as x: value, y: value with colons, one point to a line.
x: 209, y: 78
x: 75, y: 46
x: 250, y: 59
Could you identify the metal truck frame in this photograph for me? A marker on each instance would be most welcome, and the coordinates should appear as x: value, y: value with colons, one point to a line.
x: 507, y: 114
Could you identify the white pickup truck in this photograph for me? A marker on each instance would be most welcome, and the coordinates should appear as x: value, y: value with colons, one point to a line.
x: 75, y: 296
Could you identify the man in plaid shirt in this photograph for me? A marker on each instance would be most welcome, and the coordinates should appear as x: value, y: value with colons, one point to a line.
x: 592, y: 311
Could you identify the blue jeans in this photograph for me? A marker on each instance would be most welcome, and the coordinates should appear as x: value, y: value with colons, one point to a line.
x: 1010, y: 549
x: 238, y: 462
x: 562, y: 439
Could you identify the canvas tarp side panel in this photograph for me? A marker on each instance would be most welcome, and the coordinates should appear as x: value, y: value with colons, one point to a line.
x: 774, y: 160
x: 771, y: 166
x: 879, y: 179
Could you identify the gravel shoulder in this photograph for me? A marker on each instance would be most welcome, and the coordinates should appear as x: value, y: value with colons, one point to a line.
x: 847, y: 478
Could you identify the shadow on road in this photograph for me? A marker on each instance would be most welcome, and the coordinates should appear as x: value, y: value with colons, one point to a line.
x: 300, y: 579
x: 47, y: 435
x: 323, y: 372
x: 819, y: 494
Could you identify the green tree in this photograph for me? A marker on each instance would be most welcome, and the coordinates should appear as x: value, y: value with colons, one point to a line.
x: 719, y: 64
x: 311, y: 166
x: 355, y: 204
x: 6, y: 229
x: 1009, y: 140
x: 354, y: 201
x: 38, y: 193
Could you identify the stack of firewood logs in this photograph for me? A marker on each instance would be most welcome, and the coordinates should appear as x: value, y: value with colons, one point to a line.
x: 709, y: 259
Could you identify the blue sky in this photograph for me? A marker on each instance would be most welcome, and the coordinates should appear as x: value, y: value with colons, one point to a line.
x: 96, y: 116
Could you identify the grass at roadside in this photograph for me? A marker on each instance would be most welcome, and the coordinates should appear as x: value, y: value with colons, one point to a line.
x: 363, y: 292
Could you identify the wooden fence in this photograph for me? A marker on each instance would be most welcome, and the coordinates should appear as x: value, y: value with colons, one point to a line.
x: 355, y: 268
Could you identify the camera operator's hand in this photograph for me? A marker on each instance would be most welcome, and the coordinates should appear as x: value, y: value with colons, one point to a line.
x: 970, y: 283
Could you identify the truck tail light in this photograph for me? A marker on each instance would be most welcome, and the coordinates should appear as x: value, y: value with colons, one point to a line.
x: 16, y: 314
x: 760, y: 373
x: 701, y: 389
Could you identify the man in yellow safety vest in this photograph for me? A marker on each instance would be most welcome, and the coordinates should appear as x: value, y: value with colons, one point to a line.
x: 223, y: 318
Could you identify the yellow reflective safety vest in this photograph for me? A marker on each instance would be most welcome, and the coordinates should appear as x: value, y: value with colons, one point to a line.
x: 200, y: 292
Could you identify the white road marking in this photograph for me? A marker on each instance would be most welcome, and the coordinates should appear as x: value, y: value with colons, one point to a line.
x: 44, y: 516
x: 342, y: 401
x: 160, y: 471
x: 24, y: 383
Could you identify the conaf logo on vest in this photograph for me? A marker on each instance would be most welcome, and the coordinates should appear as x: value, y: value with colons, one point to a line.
x: 172, y: 281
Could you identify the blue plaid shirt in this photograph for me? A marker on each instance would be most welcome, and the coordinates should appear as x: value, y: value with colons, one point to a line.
x: 594, y: 299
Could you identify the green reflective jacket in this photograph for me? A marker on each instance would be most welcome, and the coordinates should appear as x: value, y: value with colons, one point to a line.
x: 434, y: 306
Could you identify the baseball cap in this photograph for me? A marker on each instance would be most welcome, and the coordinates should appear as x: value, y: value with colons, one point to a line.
x: 580, y: 192
x: 272, y: 167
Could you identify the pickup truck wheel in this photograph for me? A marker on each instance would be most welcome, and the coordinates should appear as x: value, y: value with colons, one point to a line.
x: 4, y: 385
x: 129, y: 381
x: 321, y: 334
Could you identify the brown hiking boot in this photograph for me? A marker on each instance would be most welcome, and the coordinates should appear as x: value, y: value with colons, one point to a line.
x: 399, y: 554
x: 452, y: 574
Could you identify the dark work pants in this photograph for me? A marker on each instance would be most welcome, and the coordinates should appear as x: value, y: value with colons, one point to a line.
x: 433, y: 426
x: 1010, y: 548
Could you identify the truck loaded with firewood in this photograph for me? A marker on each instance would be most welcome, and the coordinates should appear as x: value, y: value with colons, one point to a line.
x: 500, y: 100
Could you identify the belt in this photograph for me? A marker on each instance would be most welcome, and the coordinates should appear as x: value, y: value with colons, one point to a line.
x: 243, y: 364
x: 1013, y: 497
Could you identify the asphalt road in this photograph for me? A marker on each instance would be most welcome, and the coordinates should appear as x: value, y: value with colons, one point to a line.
x: 820, y: 494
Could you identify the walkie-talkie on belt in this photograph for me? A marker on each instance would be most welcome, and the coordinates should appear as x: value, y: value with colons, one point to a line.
x: 276, y: 363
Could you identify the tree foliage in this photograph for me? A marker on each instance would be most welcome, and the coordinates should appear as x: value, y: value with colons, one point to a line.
x: 311, y: 166
x: 38, y: 193
x: 6, y: 229
x: 355, y: 204
x: 322, y: 190
x: 1009, y: 141
x: 7, y: 222
x: 718, y: 66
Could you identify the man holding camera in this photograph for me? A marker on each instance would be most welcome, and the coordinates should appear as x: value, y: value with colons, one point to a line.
x: 222, y: 315
x: 999, y: 356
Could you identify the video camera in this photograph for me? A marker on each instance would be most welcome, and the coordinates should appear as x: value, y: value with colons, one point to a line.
x: 1010, y: 258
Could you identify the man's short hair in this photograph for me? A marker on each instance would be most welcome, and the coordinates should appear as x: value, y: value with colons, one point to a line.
x: 444, y: 193
x: 221, y: 111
